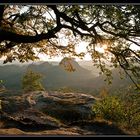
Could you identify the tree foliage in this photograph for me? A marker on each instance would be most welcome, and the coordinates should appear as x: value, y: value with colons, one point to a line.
x: 132, y: 110
x: 26, y: 30
x: 124, y: 111
x: 31, y: 81
x: 109, y: 108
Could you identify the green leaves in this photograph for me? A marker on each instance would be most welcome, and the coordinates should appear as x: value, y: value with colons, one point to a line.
x: 110, y: 108
x: 123, y: 110
x: 31, y: 81
x: 1, y: 81
x: 115, y: 26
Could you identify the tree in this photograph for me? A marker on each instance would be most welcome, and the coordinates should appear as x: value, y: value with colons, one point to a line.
x: 31, y: 81
x: 26, y: 30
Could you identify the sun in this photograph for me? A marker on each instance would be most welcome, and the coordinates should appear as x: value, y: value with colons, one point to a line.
x: 101, y: 48
x: 81, y: 47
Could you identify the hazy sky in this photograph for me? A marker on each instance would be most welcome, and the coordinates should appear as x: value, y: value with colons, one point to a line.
x: 81, y: 48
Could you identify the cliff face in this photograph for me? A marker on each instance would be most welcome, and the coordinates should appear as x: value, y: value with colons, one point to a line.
x: 52, y: 113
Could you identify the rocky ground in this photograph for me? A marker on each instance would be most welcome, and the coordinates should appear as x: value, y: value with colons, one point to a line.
x: 53, y: 113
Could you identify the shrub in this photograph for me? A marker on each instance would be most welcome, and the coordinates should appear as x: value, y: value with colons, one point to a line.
x: 132, y: 110
x: 32, y: 81
x: 109, y: 108
x: 65, y: 89
x: 125, y: 112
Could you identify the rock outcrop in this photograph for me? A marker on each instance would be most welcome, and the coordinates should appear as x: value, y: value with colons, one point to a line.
x: 65, y: 106
x: 53, y: 113
x: 46, y: 110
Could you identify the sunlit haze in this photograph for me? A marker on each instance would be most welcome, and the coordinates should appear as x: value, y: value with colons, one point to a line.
x: 79, y: 48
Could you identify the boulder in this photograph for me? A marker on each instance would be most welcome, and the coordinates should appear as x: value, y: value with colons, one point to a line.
x: 65, y: 106
x: 41, y: 108
x: 30, y: 119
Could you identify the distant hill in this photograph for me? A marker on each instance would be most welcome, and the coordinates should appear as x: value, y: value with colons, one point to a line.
x: 54, y: 76
x: 89, y: 65
x: 118, y: 84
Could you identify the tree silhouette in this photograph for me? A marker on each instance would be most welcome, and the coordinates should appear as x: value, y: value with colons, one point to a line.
x: 27, y: 29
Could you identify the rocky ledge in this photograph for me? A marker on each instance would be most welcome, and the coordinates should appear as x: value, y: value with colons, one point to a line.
x: 50, y: 113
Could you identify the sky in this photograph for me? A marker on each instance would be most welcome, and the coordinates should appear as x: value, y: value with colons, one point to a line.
x: 80, y: 48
